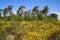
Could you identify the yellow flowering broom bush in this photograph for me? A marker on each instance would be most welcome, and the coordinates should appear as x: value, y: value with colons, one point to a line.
x: 31, y: 30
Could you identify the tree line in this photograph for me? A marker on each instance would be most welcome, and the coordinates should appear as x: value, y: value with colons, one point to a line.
x: 32, y: 14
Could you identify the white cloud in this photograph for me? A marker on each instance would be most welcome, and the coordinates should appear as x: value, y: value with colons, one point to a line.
x: 14, y: 12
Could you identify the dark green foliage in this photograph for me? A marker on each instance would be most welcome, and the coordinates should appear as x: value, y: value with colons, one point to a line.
x: 20, y: 18
x: 20, y: 10
x: 36, y: 9
x: 34, y: 14
x: 40, y: 17
x: 45, y: 10
x: 1, y: 12
x: 5, y: 11
x: 53, y: 15
x: 27, y: 18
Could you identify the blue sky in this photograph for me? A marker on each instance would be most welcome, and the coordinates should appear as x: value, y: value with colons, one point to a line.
x: 54, y: 5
